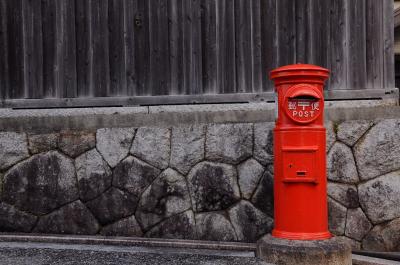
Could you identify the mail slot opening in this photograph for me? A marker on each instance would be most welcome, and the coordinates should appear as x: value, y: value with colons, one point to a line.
x: 305, y: 97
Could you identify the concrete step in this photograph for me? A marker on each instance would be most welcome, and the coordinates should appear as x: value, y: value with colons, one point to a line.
x: 366, y: 260
x: 52, y: 250
x: 395, y: 256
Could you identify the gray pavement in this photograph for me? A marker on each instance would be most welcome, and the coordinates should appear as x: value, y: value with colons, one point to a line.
x: 28, y: 253
x: 52, y: 250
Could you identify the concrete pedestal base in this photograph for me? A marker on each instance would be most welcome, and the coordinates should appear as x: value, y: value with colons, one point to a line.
x: 288, y: 252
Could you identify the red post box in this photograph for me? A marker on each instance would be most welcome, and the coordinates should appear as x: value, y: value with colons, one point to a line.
x: 300, y: 206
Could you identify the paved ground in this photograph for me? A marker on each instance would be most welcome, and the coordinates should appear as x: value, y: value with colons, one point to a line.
x: 16, y: 253
x: 94, y: 250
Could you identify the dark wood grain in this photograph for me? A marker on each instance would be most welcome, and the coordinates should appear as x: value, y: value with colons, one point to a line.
x: 142, y: 48
x: 357, y: 68
x: 191, y: 48
x: 226, y: 68
x: 130, y: 10
x: 257, y: 70
x: 388, y: 36
x: 4, y: 70
x: 175, y: 46
x: 320, y: 28
x: 338, y: 50
x: 196, y: 76
x: 101, y: 48
x: 269, y: 45
x: 116, y: 26
x: 84, y: 53
x: 33, y: 54
x: 374, y: 43
x: 159, y: 48
x: 304, y: 33
x: 286, y: 32
x: 122, y: 48
x: 244, y: 47
x: 209, y: 46
x: 65, y: 47
x: 16, y: 49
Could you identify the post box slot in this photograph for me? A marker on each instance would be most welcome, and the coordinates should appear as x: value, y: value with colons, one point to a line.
x: 305, y: 93
x: 305, y: 97
x: 299, y: 164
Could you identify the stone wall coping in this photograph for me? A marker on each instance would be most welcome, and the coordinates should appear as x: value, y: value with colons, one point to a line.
x: 50, y: 120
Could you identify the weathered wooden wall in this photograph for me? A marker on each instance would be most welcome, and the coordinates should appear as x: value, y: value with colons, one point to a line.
x: 103, y: 48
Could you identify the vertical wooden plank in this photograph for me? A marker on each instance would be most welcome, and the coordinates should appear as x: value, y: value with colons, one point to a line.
x: 4, y: 71
x: 24, y: 51
x: 196, y: 74
x: 154, y: 13
x: 59, y: 48
x: 357, y: 69
x: 15, y: 39
x: 269, y: 41
x: 338, y: 46
x: 142, y: 49
x: 243, y: 41
x: 117, y: 52
x: 159, y: 50
x: 374, y: 45
x: 319, y: 36
x: 286, y: 20
x: 33, y: 49
x: 257, y: 70
x: 187, y: 45
x: 248, y: 46
x: 154, y: 10
x: 388, y: 33
x: 176, y: 46
x: 49, y: 29
x: 397, y: 68
x: 229, y: 48
x: 100, y: 47
x: 226, y: 68
x: 304, y: 33
x: 209, y: 46
x: 312, y: 32
x: 66, y: 49
x: 84, y: 52
x: 192, y: 53
x: 130, y: 11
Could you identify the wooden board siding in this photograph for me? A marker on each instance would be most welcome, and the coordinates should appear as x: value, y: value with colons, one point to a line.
x: 388, y: 37
x: 124, y: 48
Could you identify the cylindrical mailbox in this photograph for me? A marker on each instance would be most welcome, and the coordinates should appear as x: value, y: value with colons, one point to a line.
x: 300, y: 195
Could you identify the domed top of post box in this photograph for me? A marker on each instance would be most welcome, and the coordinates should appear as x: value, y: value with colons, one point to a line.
x: 304, y: 72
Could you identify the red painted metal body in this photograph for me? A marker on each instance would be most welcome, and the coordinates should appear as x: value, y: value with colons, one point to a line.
x: 300, y: 154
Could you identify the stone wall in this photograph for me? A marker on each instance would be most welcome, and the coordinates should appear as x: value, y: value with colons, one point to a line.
x: 209, y: 181
x: 364, y: 183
